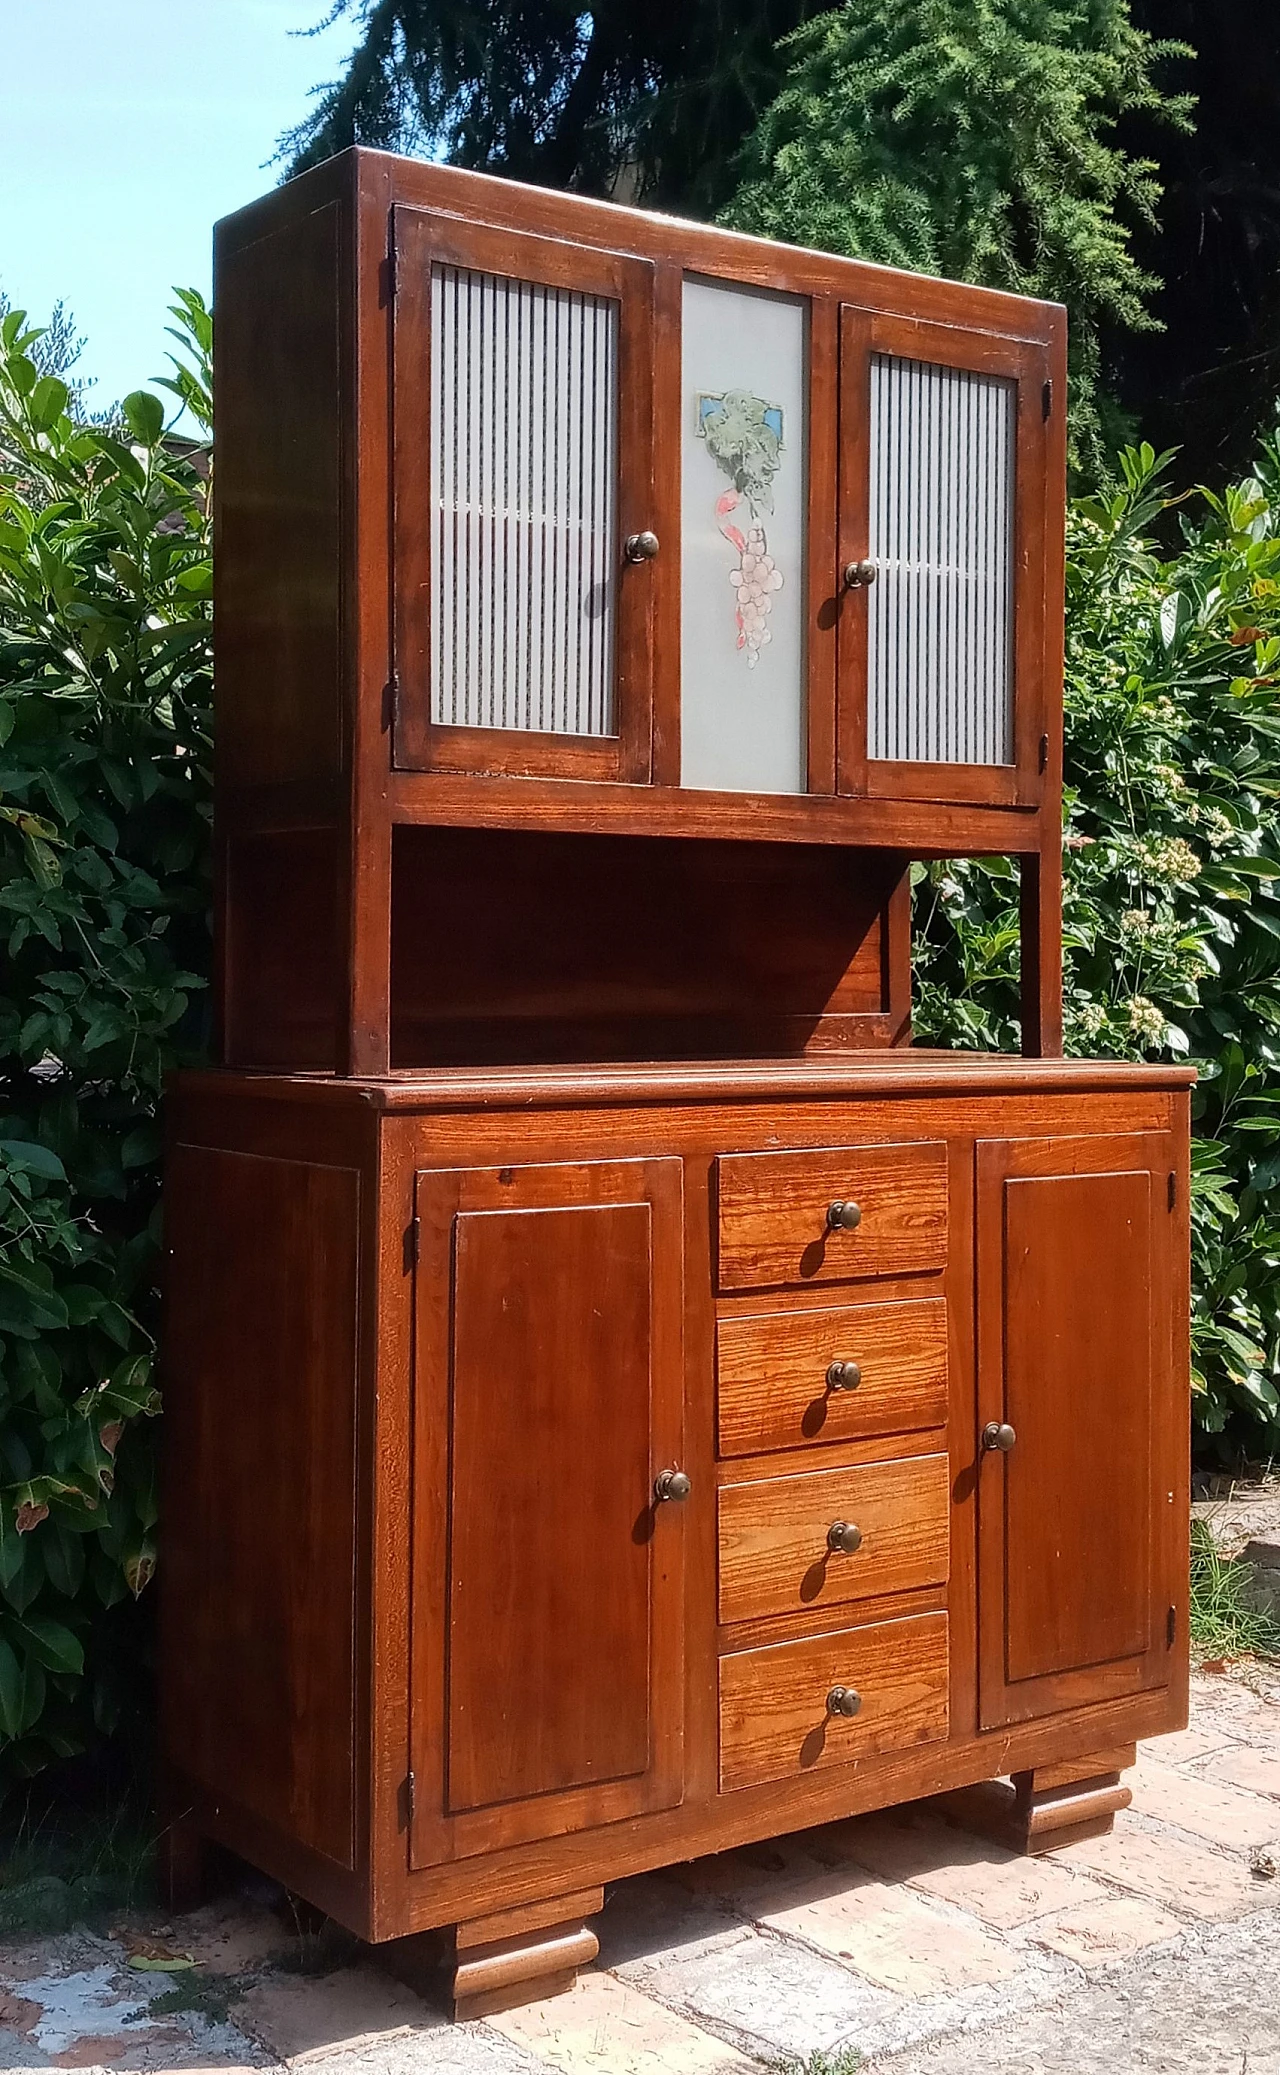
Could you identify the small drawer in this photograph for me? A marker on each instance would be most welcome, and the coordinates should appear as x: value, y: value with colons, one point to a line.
x: 777, y: 1210
x: 778, y: 1706
x: 780, y: 1552
x: 775, y: 1390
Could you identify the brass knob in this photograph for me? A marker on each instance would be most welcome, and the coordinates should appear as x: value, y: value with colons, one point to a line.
x: 843, y: 1538
x: 998, y: 1437
x: 843, y: 1700
x: 672, y: 1484
x: 844, y: 1217
x: 843, y: 1376
x: 857, y: 575
x: 640, y: 547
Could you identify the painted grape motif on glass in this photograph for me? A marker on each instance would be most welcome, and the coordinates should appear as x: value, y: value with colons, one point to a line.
x: 744, y: 438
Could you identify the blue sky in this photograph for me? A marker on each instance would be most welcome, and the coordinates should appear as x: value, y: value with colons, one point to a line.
x: 128, y: 127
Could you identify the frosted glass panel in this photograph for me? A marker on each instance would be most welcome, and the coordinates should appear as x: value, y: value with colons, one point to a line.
x: 524, y: 471
x: 745, y: 469
x: 940, y: 635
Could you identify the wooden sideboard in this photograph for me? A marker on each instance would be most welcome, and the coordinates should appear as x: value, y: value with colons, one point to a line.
x: 582, y: 1469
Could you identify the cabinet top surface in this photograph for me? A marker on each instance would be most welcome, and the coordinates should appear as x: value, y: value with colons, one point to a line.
x: 388, y: 178
x: 909, y: 1072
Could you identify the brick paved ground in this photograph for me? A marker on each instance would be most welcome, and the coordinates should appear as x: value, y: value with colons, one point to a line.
x: 896, y: 1937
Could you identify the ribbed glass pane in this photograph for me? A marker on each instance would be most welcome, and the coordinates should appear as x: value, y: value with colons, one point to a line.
x: 524, y: 472
x: 940, y: 634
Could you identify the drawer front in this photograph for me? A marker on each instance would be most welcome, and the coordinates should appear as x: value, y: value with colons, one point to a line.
x: 775, y: 1227
x: 771, y: 1372
x: 775, y: 1722
x: 779, y: 1553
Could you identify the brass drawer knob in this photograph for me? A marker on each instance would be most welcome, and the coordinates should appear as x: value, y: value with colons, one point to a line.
x: 843, y: 1376
x: 640, y: 547
x: 998, y: 1437
x: 843, y: 1700
x: 843, y: 1537
x: 857, y: 575
x: 844, y: 1217
x: 672, y: 1484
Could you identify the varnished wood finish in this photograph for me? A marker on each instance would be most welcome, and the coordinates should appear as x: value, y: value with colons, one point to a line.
x: 1037, y: 488
x: 774, y: 1548
x: 258, y: 1605
x: 1048, y: 1806
x: 596, y: 1122
x: 422, y: 240
x: 774, y: 1720
x: 771, y: 1371
x: 322, y: 563
x: 511, y: 947
x: 547, y: 1591
x: 774, y: 1214
x: 1075, y: 1299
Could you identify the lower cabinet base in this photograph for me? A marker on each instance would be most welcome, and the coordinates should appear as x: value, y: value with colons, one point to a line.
x: 1049, y: 1806
x: 495, y: 1962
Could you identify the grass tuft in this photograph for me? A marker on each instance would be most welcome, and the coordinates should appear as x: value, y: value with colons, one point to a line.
x: 1223, y: 1624
x: 841, y: 2060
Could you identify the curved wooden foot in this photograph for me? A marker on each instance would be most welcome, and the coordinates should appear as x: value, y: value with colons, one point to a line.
x: 512, y: 1956
x: 1049, y: 1806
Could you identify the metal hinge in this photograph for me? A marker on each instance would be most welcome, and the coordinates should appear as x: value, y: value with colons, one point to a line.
x: 1044, y: 752
x: 1046, y: 399
x: 413, y: 1243
x: 1173, y: 1190
x: 390, y: 701
x: 1171, y: 1626
x: 410, y: 1797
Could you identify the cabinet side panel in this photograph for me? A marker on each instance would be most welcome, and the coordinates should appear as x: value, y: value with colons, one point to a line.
x: 258, y: 1599
x: 280, y: 950
x: 277, y: 506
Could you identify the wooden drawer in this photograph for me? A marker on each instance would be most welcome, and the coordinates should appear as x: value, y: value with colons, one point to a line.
x: 773, y: 1214
x: 771, y: 1370
x: 774, y: 1552
x: 774, y: 1719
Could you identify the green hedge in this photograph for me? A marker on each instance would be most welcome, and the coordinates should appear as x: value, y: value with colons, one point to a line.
x: 105, y: 701
x: 1173, y: 947
x: 1171, y: 915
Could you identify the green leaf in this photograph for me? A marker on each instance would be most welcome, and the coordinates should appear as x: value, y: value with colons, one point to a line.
x: 42, y: 1306
x: 47, y: 402
x: 51, y: 1643
x: 144, y: 416
x: 33, y: 1159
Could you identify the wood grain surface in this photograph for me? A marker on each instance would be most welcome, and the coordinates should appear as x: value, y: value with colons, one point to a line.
x: 773, y: 1214
x: 774, y: 1719
x: 771, y: 1369
x: 774, y: 1555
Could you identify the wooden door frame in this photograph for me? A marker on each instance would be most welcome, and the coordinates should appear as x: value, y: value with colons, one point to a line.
x: 421, y: 240
x: 434, y: 1837
x: 1026, y: 363
x: 996, y: 1160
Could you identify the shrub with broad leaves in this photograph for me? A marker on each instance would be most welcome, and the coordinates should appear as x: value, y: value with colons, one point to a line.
x: 105, y: 705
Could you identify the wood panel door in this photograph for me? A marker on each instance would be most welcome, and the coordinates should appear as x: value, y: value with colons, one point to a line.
x: 950, y: 487
x: 547, y: 1659
x: 523, y: 468
x: 1081, y: 1350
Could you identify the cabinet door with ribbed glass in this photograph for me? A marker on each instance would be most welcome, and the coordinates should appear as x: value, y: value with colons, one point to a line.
x: 525, y: 564
x: 951, y: 485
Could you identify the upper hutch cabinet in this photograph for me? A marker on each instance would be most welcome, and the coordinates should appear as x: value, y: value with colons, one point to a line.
x: 651, y: 505
x: 540, y: 517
